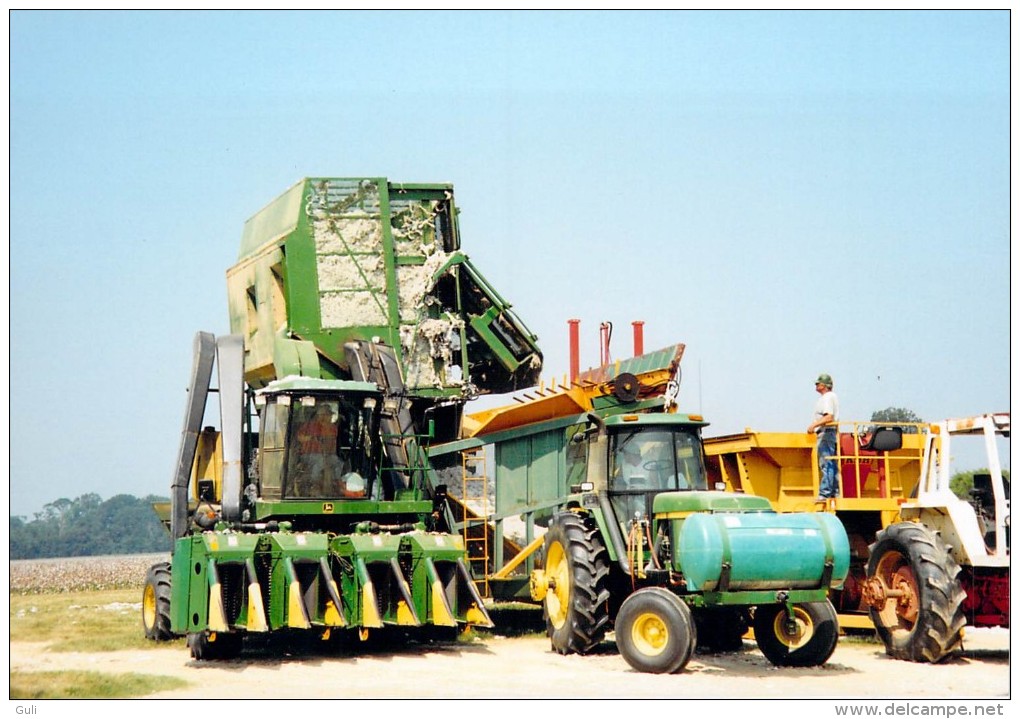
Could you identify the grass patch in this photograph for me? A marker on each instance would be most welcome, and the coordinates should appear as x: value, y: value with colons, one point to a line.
x: 88, y: 685
x: 101, y: 621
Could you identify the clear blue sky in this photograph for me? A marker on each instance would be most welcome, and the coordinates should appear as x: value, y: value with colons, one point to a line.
x: 786, y: 193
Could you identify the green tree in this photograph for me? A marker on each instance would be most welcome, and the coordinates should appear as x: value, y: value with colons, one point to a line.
x: 962, y: 482
x: 898, y: 415
x: 88, y: 526
x: 27, y: 539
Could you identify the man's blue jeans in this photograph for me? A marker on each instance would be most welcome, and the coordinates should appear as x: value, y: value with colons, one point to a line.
x: 829, y: 485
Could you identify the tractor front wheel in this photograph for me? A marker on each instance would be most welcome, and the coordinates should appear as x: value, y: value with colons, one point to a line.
x: 576, y: 604
x: 805, y: 638
x: 914, y: 593
x: 156, y: 603
x: 655, y: 632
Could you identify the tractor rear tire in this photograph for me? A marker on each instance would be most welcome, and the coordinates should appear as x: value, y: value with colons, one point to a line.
x: 809, y: 643
x: 156, y: 603
x: 925, y: 622
x: 655, y: 631
x: 576, y: 606
x: 214, y: 645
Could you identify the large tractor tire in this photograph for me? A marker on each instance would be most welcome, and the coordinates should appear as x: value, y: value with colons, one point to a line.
x: 576, y: 605
x: 914, y: 592
x: 808, y: 641
x: 156, y: 603
x: 214, y: 645
x: 655, y: 632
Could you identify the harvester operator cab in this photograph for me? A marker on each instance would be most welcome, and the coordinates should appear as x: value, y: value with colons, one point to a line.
x: 315, y: 446
x: 319, y: 464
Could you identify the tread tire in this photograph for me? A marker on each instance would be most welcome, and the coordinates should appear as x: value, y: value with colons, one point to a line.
x: 156, y: 603
x: 816, y: 618
x: 911, y: 552
x: 655, y: 631
x: 576, y: 616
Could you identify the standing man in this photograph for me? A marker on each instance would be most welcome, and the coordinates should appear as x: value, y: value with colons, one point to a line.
x: 824, y: 427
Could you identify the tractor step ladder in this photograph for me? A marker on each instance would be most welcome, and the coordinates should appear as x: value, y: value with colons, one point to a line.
x: 475, y: 491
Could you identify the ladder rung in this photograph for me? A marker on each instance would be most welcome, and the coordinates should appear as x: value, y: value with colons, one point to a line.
x: 473, y: 465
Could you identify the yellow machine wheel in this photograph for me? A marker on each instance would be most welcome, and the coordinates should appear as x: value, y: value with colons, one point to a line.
x: 557, y: 598
x: 807, y: 639
x: 792, y: 634
x: 650, y: 634
x: 156, y: 603
x: 655, y: 631
x: 576, y: 604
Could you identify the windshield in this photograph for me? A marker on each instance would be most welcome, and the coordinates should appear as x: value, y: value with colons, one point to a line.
x: 645, y: 462
x: 656, y: 459
x: 315, y: 448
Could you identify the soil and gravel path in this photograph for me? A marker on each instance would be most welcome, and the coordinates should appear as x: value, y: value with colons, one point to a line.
x: 497, y: 667
x: 525, y: 667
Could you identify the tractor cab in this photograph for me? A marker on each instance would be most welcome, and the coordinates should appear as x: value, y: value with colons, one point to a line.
x: 649, y: 454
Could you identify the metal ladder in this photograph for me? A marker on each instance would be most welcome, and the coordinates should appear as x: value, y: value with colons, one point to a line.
x: 476, y: 524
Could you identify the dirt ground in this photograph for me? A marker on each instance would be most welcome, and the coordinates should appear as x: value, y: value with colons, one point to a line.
x: 526, y: 668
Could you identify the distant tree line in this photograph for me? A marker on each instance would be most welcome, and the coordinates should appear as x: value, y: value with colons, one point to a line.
x: 88, y: 526
x: 897, y: 414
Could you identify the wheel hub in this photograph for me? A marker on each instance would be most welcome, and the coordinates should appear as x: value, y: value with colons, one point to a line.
x: 893, y: 592
x: 149, y: 606
x: 557, y: 597
x: 650, y: 634
x: 794, y: 630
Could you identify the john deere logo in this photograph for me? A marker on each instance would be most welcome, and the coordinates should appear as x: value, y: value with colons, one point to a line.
x: 327, y: 508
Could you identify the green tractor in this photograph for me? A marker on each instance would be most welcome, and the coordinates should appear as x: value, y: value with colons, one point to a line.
x: 643, y: 546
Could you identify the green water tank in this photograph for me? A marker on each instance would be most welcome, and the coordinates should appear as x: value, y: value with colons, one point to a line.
x: 763, y: 550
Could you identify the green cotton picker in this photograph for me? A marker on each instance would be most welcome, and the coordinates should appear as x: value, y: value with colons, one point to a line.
x: 358, y: 331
